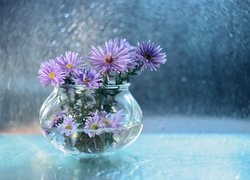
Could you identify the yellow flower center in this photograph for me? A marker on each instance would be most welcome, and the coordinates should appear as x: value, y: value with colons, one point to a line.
x: 52, y: 117
x: 86, y: 80
x: 94, y: 127
x: 68, y: 127
x: 106, y: 121
x: 69, y: 66
x: 52, y: 75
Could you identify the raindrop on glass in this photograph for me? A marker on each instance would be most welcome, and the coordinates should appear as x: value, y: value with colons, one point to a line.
x: 66, y: 15
x: 184, y: 79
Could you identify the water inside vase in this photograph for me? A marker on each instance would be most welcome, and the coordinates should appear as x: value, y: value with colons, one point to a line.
x: 80, y: 142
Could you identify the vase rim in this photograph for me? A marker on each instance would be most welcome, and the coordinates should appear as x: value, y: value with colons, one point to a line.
x: 111, y: 86
x: 108, y: 86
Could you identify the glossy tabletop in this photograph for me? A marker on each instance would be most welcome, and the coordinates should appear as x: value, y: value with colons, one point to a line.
x: 152, y: 156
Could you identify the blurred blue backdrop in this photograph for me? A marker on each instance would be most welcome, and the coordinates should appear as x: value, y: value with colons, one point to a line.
x: 207, y: 43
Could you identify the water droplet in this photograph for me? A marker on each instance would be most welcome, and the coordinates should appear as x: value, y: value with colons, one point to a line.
x: 66, y: 15
x: 8, y: 84
x: 92, y: 5
x: 69, y: 29
x: 184, y: 79
x: 101, y: 27
x: 66, y: 41
x: 76, y: 32
x: 73, y: 12
x: 203, y: 81
x: 62, y: 30
x: 102, y: 12
x: 62, y: 6
x: 237, y: 177
x: 115, y: 30
x: 53, y: 43
x: 77, y: 44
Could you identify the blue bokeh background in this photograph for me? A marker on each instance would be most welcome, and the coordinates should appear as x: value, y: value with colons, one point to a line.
x: 207, y: 43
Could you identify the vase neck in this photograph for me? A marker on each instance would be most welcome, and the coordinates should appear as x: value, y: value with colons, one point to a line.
x: 120, y: 86
x: 83, y: 88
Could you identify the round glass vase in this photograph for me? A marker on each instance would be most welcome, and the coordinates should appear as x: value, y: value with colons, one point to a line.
x: 81, y: 121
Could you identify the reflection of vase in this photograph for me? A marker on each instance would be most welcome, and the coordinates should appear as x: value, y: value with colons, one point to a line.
x: 118, y: 166
x: 80, y: 104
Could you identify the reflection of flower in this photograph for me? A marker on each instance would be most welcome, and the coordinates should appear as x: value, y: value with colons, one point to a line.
x: 102, y: 122
x: 90, y: 78
x: 68, y: 126
x: 115, y: 56
x: 150, y: 54
x: 93, y: 125
x: 50, y: 73
x: 57, y: 118
x: 70, y: 62
x: 113, y: 120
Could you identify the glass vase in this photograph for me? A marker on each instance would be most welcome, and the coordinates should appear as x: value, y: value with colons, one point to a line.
x: 115, y: 113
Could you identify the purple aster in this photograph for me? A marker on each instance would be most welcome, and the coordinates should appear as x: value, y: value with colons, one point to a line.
x: 150, y: 54
x: 113, y: 57
x: 121, y: 43
x: 90, y: 78
x: 124, y: 43
x: 114, y: 120
x: 70, y: 63
x: 68, y: 127
x: 94, y: 125
x: 57, y: 118
x: 50, y: 73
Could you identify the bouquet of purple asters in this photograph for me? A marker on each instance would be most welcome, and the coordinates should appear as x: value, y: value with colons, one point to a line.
x: 89, y: 118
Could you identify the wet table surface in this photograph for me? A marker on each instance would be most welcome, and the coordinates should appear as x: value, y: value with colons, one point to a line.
x: 152, y: 156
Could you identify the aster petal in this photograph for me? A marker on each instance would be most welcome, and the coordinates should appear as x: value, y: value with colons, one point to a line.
x: 90, y: 78
x: 70, y: 62
x: 50, y: 74
x: 93, y: 125
x: 68, y: 127
x: 150, y: 55
x: 118, y: 52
